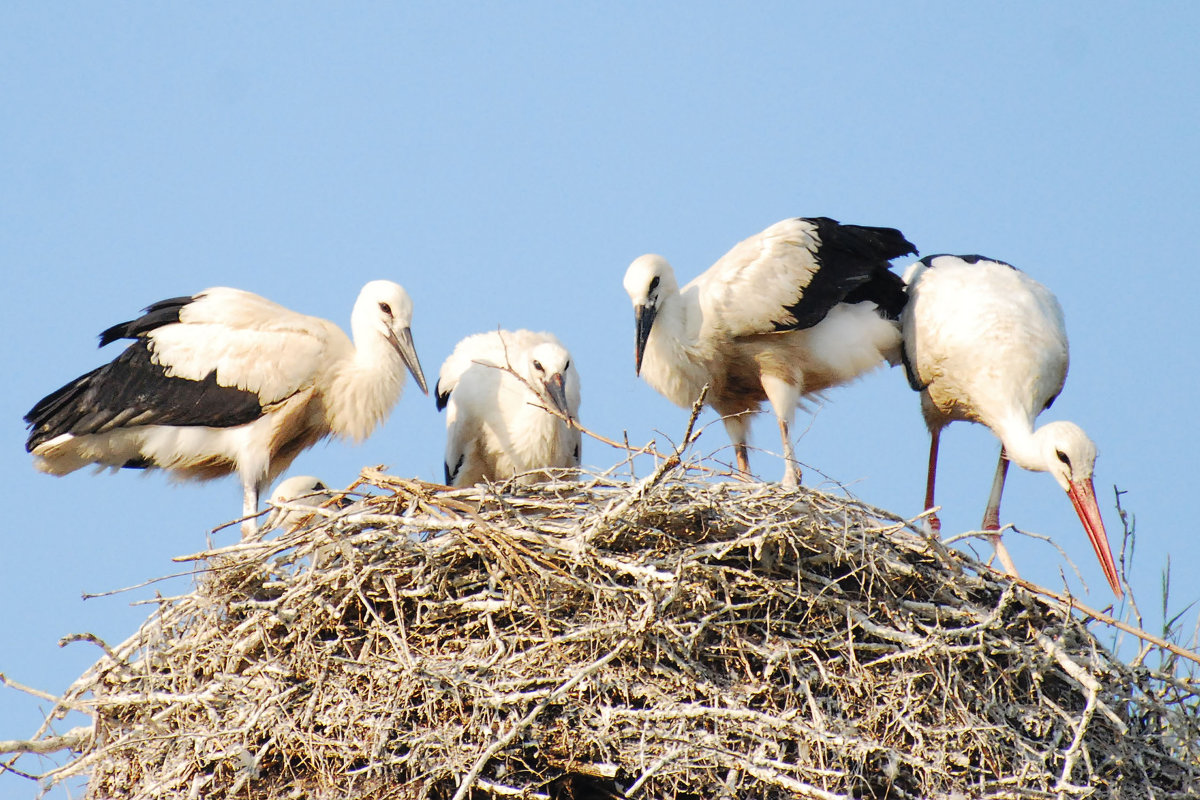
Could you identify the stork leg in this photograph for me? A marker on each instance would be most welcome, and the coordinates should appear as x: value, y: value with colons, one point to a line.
x: 737, y: 427
x: 250, y: 492
x: 791, y: 468
x: 783, y: 397
x: 933, y: 524
x: 743, y: 460
x: 991, y: 516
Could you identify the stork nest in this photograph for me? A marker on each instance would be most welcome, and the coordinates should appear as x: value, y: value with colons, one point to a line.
x: 597, y: 638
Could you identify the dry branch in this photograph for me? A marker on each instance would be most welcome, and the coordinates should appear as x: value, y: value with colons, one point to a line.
x: 596, y: 638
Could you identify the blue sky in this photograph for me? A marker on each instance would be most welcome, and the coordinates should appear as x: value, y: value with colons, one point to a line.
x: 505, y: 164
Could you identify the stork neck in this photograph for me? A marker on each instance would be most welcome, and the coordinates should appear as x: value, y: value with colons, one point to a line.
x: 1022, y: 444
x: 366, y: 387
x: 673, y: 364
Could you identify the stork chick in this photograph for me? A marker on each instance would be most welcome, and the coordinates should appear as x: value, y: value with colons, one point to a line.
x: 496, y: 388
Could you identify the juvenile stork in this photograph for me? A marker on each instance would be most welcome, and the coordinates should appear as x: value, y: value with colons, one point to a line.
x: 496, y: 387
x: 226, y: 381
x: 984, y: 342
x: 805, y: 305
x: 299, y: 492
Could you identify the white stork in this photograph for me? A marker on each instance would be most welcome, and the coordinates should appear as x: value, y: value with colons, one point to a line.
x: 496, y: 387
x: 984, y: 342
x: 226, y: 381
x: 298, y: 491
x: 805, y: 305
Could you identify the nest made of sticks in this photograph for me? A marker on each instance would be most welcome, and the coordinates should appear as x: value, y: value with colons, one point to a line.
x: 599, y: 638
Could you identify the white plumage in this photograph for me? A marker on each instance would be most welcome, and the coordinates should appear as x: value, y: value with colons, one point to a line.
x: 804, y: 305
x: 497, y: 425
x: 986, y: 343
x: 292, y: 502
x: 227, y: 381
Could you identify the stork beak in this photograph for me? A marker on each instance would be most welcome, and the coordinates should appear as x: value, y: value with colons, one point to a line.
x: 556, y: 390
x: 1083, y: 497
x: 403, y: 342
x: 644, y: 315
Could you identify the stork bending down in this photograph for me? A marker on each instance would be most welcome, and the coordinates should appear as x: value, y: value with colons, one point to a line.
x: 984, y: 342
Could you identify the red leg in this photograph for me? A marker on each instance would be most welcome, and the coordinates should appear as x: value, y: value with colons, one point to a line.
x: 991, y: 516
x: 743, y: 460
x: 935, y: 524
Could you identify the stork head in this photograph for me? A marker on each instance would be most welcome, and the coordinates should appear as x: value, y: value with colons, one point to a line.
x: 647, y: 281
x: 549, y: 370
x: 300, y: 490
x: 1070, y: 456
x: 384, y: 309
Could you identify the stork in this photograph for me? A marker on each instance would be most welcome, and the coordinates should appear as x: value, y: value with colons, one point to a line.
x: 496, y: 388
x: 226, y: 381
x: 298, y: 491
x: 805, y: 305
x: 984, y: 342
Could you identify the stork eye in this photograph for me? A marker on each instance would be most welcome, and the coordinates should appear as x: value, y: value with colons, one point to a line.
x: 654, y: 283
x: 385, y: 308
x: 1062, y: 457
x: 538, y: 365
x: 567, y: 365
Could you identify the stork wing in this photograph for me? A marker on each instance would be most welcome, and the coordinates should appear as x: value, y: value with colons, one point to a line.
x: 790, y: 275
x: 132, y: 390
x: 215, y: 359
x: 484, y: 347
x: 249, y: 342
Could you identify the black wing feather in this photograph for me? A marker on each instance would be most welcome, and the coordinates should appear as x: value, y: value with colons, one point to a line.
x: 133, y: 390
x: 164, y: 312
x: 853, y: 264
x: 451, y: 474
x: 910, y: 372
x: 440, y: 398
x: 973, y: 258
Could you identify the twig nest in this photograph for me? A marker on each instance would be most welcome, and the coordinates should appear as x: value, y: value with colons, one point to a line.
x: 598, y: 638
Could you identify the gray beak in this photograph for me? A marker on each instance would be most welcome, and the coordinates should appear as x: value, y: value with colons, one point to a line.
x: 556, y: 390
x: 644, y: 316
x: 403, y: 342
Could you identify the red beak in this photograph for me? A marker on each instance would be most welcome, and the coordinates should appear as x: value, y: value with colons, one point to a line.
x: 1083, y: 497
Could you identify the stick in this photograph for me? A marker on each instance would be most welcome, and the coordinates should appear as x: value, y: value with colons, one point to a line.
x: 74, y: 739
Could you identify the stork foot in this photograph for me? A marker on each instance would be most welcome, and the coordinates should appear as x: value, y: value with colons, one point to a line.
x: 1005, y: 559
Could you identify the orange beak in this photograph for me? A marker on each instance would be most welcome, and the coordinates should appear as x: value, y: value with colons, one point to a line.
x: 1083, y: 497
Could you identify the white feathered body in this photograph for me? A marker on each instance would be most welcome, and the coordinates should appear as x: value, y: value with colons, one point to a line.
x: 987, y: 342
x: 496, y: 424
x: 722, y: 328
